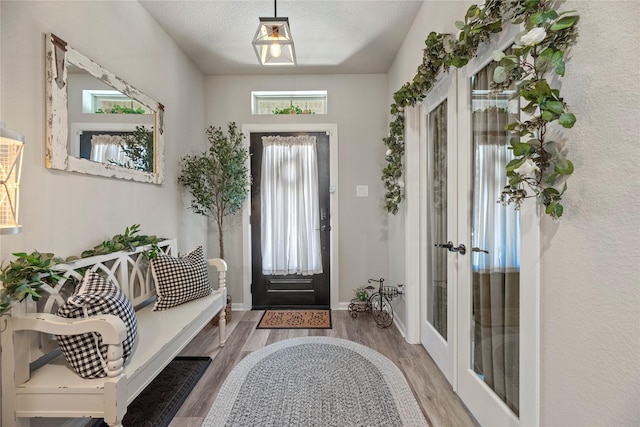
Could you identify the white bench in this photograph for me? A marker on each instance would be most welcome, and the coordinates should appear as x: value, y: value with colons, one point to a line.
x: 38, y: 382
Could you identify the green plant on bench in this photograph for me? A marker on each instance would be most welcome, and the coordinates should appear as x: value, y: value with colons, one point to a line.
x: 25, y: 275
x: 28, y: 272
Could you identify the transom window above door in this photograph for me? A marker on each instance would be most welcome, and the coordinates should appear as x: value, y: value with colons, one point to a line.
x: 289, y: 102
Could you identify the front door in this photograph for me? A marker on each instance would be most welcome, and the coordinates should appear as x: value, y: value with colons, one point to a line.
x: 290, y: 220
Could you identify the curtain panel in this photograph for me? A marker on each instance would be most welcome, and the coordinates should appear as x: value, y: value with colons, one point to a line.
x: 107, y: 149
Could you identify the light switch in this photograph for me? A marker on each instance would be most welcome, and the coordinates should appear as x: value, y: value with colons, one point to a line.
x: 362, y: 191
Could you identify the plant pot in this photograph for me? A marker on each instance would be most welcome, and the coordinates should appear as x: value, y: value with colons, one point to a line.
x: 227, y: 313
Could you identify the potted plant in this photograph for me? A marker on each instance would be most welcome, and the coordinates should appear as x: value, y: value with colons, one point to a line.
x: 362, y: 295
x: 218, y: 179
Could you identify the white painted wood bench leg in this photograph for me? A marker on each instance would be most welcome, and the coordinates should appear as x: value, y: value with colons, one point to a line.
x: 115, y: 412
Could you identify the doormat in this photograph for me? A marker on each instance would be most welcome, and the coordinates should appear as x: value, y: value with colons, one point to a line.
x: 162, y: 398
x: 295, y: 319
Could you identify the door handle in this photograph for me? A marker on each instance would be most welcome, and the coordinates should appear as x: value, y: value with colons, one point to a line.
x: 461, y: 249
x: 324, y: 228
x: 474, y: 249
x: 448, y: 245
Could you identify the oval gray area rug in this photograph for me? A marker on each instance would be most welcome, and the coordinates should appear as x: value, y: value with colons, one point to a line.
x: 315, y: 381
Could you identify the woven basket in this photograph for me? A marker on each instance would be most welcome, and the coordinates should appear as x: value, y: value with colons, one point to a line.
x: 227, y: 313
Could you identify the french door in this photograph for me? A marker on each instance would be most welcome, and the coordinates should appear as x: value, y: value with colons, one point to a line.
x: 479, y: 272
x: 438, y: 224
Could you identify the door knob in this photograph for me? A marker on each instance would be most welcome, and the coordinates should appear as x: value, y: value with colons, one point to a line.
x: 461, y: 249
x: 448, y: 245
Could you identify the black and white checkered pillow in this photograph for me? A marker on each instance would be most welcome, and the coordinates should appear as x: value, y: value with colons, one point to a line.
x: 179, y: 280
x: 94, y: 296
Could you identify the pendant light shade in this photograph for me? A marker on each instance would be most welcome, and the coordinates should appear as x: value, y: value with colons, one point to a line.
x: 273, y: 42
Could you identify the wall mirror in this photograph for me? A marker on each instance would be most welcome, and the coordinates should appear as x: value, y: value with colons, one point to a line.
x: 97, y: 123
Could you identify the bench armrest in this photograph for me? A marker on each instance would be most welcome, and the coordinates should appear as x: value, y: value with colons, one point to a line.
x: 110, y: 327
x: 221, y: 266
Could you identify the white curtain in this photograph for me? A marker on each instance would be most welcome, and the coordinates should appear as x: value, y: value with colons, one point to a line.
x: 107, y: 149
x: 289, y: 201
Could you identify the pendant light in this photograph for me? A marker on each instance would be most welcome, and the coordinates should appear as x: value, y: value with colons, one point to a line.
x: 273, y: 42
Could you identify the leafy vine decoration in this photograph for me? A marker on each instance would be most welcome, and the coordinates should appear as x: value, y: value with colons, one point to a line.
x: 539, y: 164
x: 24, y: 276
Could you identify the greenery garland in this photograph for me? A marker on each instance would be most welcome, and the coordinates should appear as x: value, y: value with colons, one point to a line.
x: 540, y: 49
x: 25, y: 275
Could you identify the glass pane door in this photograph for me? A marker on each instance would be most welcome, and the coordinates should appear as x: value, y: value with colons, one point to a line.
x: 436, y: 295
x: 495, y: 240
x: 438, y: 208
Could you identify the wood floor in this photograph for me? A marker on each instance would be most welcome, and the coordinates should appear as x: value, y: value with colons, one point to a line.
x: 440, y: 405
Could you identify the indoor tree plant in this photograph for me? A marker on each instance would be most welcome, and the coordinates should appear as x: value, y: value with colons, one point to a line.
x: 218, y: 179
x: 139, y: 147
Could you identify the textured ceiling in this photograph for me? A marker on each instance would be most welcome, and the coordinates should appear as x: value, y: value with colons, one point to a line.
x: 330, y: 36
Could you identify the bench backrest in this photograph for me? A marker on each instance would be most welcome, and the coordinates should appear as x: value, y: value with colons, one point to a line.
x: 129, y: 271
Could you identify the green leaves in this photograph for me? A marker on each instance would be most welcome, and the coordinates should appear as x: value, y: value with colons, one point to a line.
x: 218, y: 179
x: 128, y: 241
x: 25, y: 275
x: 499, y: 75
x: 564, y: 22
x: 551, y: 198
x: 539, y: 49
x: 567, y: 120
x: 138, y: 146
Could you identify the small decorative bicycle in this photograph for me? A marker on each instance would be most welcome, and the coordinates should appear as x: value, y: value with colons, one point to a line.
x: 378, y: 304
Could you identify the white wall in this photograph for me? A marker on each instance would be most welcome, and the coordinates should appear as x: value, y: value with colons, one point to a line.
x: 590, y: 271
x: 66, y: 213
x: 357, y: 103
x: 590, y: 298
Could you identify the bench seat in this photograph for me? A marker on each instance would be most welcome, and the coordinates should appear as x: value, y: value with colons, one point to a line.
x: 54, y: 390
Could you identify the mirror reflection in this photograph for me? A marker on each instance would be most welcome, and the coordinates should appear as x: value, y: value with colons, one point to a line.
x: 97, y: 123
x: 107, y: 126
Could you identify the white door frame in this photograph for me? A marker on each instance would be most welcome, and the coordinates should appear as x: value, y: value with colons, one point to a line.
x: 332, y: 130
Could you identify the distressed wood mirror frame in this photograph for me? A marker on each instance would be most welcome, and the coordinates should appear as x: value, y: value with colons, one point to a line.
x: 58, y: 57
